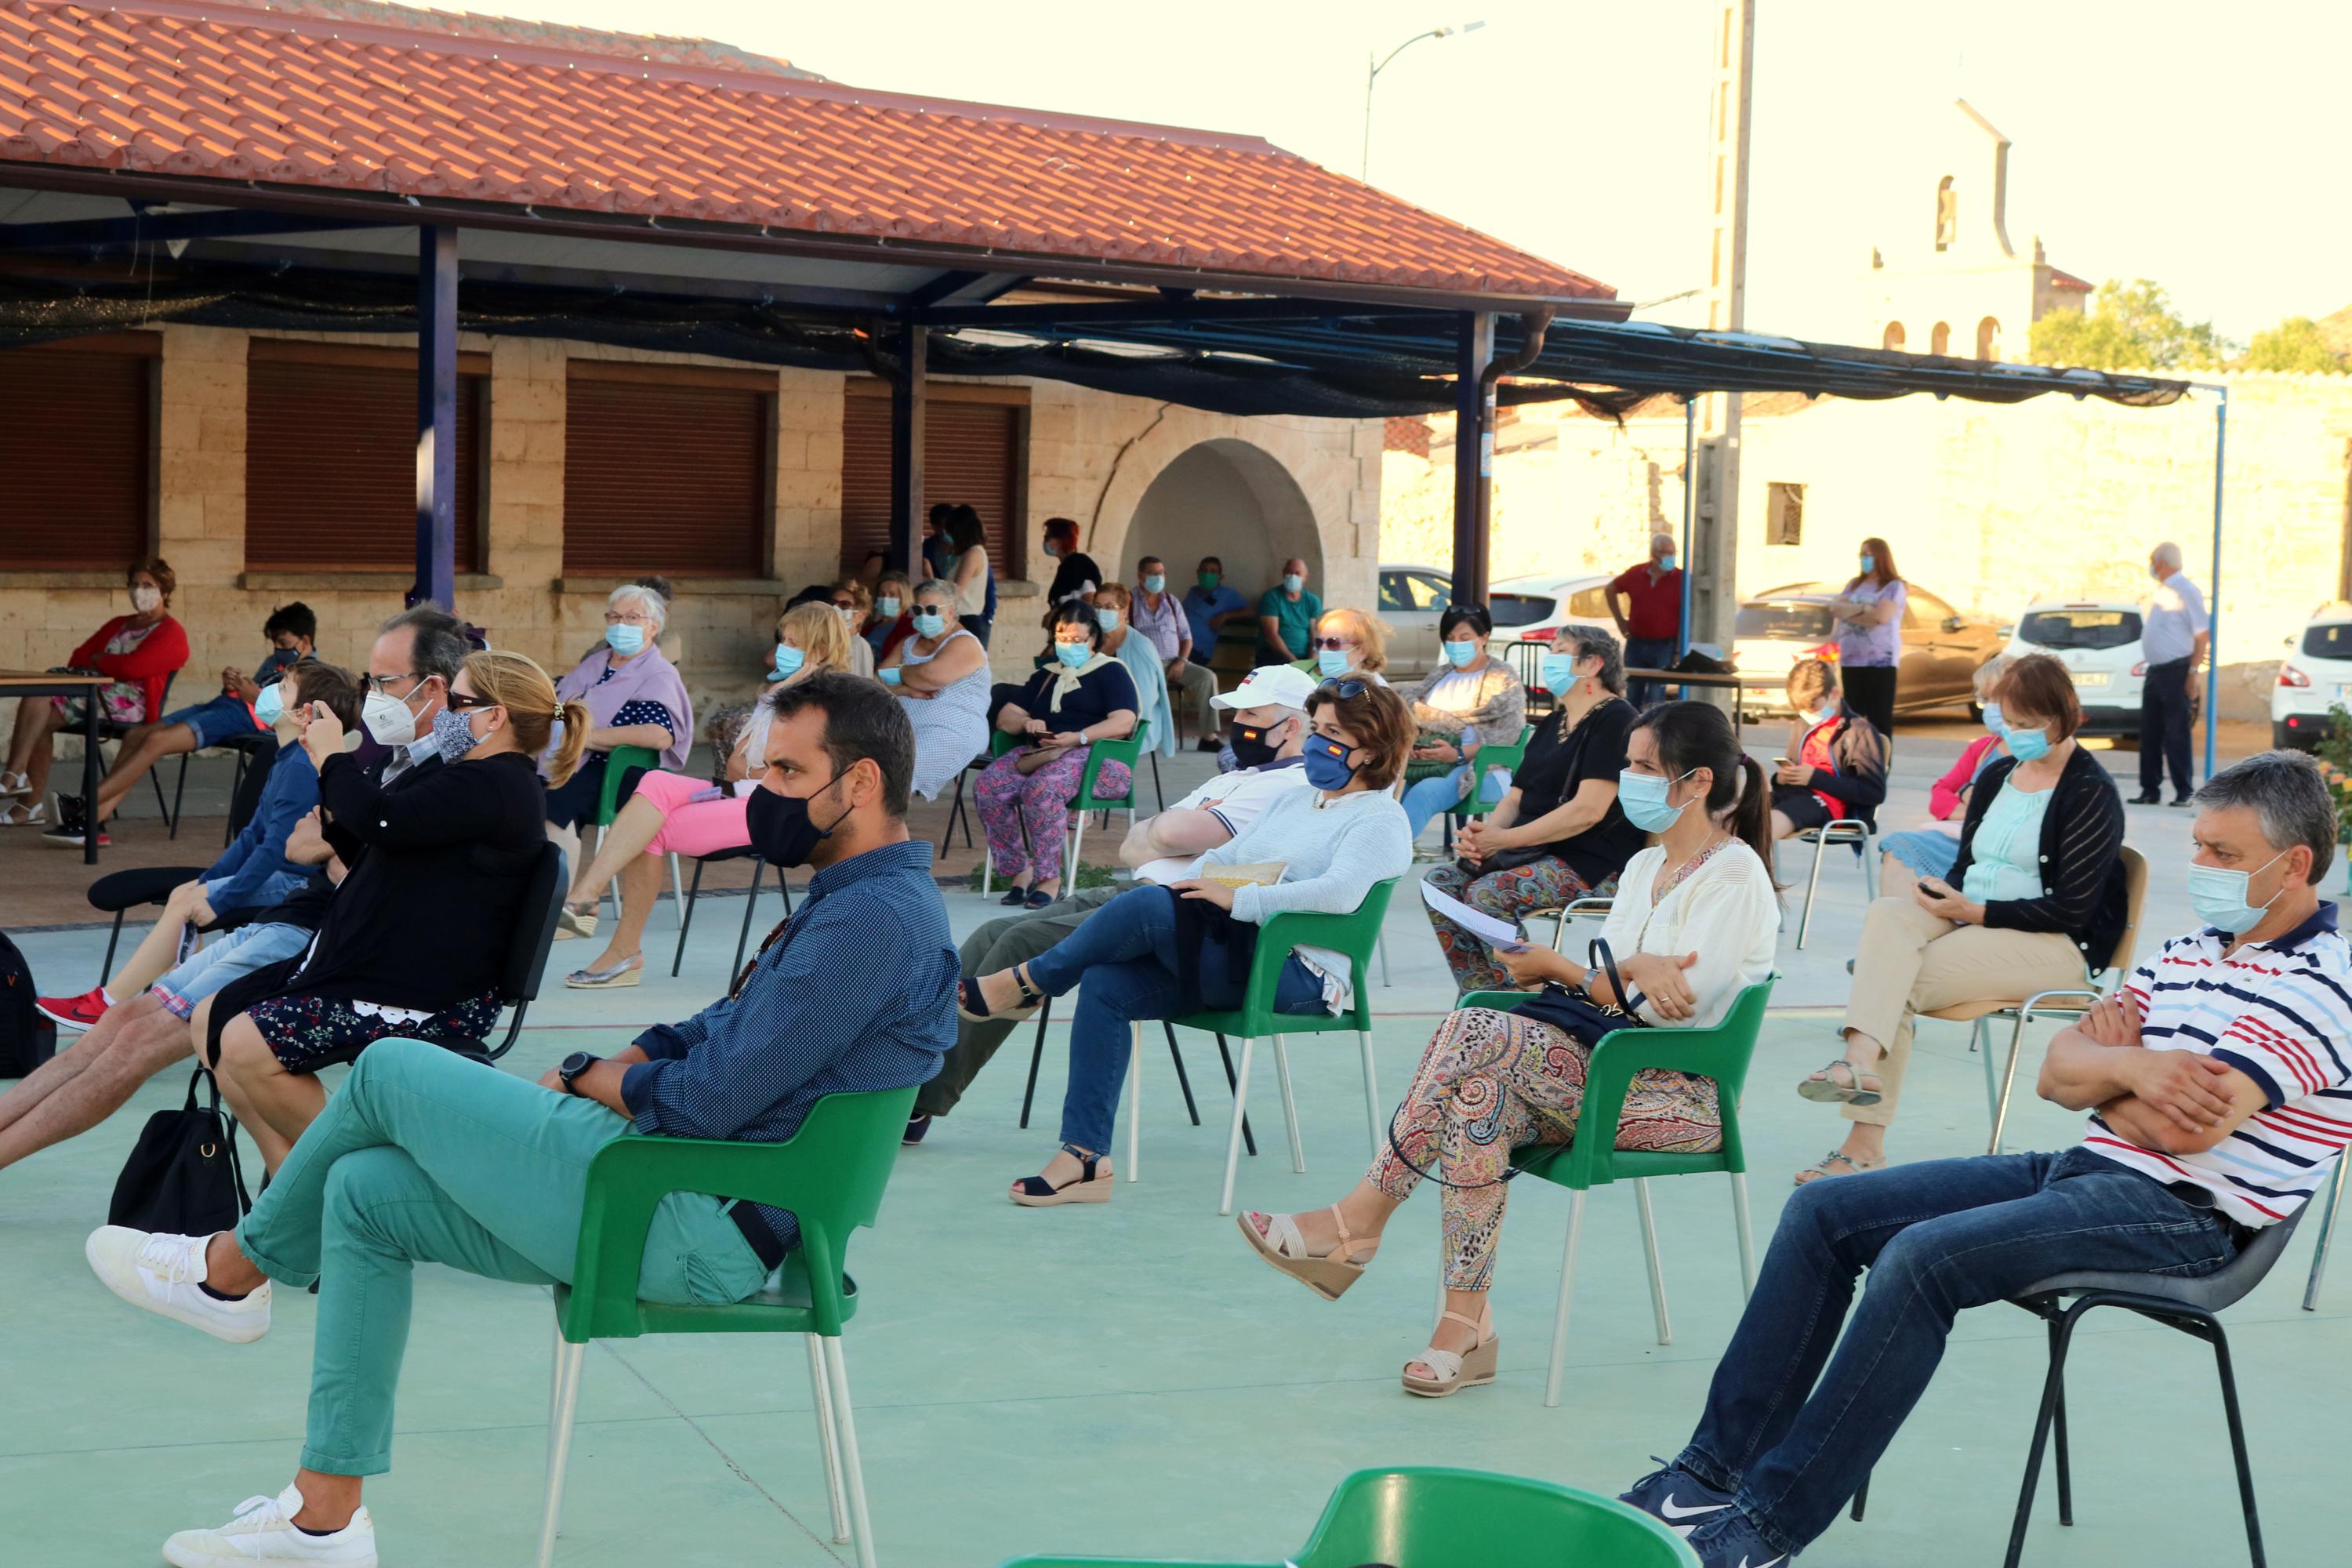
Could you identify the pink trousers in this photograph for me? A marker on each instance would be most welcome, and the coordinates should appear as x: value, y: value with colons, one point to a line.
x: 692, y: 829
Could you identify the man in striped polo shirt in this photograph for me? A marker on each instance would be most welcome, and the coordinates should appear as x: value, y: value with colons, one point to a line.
x: 2220, y: 1101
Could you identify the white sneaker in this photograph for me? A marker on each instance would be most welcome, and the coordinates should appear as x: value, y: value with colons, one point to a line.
x: 263, y: 1531
x: 162, y: 1272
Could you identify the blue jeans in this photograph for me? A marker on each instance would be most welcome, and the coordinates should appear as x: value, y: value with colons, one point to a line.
x: 217, y: 720
x: 1425, y: 802
x: 1648, y: 653
x: 225, y: 959
x: 1925, y: 851
x: 1794, y: 1441
x: 1122, y: 962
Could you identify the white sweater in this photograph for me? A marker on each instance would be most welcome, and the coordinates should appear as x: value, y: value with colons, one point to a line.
x: 1727, y: 912
x: 1332, y: 849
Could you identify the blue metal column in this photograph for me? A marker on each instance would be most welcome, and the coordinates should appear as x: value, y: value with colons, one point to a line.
x: 1690, y: 512
x: 2214, y: 610
x: 436, y: 418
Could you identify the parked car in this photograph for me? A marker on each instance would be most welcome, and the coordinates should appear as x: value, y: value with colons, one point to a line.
x: 1941, y: 647
x: 1527, y: 612
x: 2314, y: 677
x: 1412, y: 598
x: 2098, y: 642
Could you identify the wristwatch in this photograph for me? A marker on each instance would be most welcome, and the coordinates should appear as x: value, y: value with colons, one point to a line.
x: 572, y: 1066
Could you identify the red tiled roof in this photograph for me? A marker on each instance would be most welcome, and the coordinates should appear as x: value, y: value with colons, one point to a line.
x: 168, y: 87
x: 639, y: 46
x: 2059, y: 280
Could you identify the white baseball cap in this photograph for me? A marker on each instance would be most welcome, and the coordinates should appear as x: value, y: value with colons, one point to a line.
x: 1269, y: 686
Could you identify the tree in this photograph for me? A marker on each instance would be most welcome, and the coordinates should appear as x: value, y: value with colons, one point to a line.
x: 2129, y: 326
x: 2297, y: 343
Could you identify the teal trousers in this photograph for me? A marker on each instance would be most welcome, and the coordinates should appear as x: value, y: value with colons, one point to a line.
x: 423, y: 1156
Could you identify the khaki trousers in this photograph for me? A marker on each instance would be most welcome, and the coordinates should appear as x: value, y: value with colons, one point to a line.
x: 1910, y: 961
x: 1197, y: 685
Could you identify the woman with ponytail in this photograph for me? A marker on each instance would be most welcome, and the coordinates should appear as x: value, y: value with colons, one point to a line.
x: 416, y: 933
x: 1694, y: 924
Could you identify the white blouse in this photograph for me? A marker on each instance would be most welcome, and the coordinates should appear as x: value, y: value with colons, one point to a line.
x: 1726, y: 912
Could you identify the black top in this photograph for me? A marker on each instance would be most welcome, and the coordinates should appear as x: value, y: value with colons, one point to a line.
x: 1077, y: 570
x: 1560, y: 760
x: 1101, y: 694
x: 427, y: 916
x: 2082, y: 859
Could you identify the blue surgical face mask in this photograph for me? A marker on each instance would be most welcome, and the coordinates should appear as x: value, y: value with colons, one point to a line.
x: 1053, y: 547
x: 930, y: 626
x: 1558, y: 672
x: 2217, y: 896
x: 1332, y: 661
x: 269, y: 705
x: 453, y: 734
x: 1666, y: 562
x: 1642, y: 798
x: 887, y: 606
x: 1155, y: 583
x: 1869, y: 562
x: 625, y: 639
x: 1326, y: 764
x: 888, y: 674
x: 1109, y: 619
x: 1993, y: 717
x: 1073, y: 654
x: 1292, y: 581
x: 2028, y: 745
x: 1814, y: 719
x: 789, y: 660
x: 1460, y: 654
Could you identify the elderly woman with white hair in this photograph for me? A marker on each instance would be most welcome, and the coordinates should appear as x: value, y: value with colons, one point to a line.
x: 633, y: 696
x: 1933, y: 848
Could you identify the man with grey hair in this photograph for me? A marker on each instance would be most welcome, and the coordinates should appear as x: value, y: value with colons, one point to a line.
x: 2220, y: 1102
x: 1646, y: 602
x: 415, y: 657
x: 2173, y: 637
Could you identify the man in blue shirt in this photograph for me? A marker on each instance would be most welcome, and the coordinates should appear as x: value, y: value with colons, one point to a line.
x: 1208, y: 605
x: 423, y: 1156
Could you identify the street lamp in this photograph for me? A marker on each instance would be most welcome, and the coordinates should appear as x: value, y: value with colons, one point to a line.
x: 1373, y: 76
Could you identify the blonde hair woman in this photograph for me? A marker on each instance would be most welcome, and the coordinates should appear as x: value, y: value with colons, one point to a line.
x: 673, y: 811
x: 415, y: 938
x: 1346, y: 640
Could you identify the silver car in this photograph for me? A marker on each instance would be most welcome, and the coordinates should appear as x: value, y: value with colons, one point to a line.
x: 1941, y: 647
x: 1527, y: 611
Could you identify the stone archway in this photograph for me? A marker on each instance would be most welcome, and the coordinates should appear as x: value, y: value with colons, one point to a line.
x: 1227, y: 498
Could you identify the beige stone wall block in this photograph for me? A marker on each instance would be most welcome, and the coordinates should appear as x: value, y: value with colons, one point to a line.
x: 823, y: 452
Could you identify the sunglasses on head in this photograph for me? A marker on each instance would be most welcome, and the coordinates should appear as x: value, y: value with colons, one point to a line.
x: 1346, y: 690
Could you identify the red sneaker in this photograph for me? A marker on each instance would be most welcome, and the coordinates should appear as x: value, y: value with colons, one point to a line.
x: 75, y: 1011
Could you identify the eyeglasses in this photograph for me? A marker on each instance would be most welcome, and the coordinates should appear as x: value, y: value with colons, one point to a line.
x: 459, y: 700
x: 1346, y: 690
x: 627, y: 619
x: 1337, y: 645
x: 383, y: 683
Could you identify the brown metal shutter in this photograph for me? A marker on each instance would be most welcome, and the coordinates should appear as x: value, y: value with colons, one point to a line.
x: 74, y: 451
x: 971, y: 454
x: 331, y: 460
x: 667, y: 478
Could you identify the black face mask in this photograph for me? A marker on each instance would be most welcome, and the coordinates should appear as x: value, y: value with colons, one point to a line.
x: 1251, y: 748
x: 781, y: 827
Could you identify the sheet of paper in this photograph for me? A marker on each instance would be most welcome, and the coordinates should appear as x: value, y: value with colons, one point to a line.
x: 1501, y: 935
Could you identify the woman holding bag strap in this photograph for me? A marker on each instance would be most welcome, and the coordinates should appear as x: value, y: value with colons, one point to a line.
x: 1695, y: 922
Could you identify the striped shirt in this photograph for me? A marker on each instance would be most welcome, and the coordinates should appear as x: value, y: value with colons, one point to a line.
x: 858, y: 993
x: 2281, y: 1012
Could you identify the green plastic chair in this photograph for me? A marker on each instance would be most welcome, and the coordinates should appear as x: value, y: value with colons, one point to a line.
x: 1592, y: 1158
x: 1097, y: 753
x: 1432, y: 1517
x: 618, y: 762
x: 1475, y: 804
x: 1353, y: 934
x: 830, y: 1174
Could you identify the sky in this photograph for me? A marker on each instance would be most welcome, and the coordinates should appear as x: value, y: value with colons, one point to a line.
x: 2197, y: 146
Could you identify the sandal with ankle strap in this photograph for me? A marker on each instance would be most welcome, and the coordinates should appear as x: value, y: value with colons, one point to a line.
x: 1327, y: 1274
x: 1457, y: 1369
x: 1092, y: 1185
x: 972, y: 1008
x: 1859, y: 1087
x: 1820, y: 1169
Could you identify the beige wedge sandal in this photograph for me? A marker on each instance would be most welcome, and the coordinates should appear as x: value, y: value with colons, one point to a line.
x: 1329, y: 1274
x: 1457, y: 1369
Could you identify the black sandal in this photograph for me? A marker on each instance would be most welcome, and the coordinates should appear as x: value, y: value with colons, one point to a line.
x: 973, y: 1009
x: 1037, y: 1192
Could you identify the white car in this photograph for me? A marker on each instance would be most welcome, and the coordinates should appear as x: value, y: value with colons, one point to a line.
x: 2314, y: 677
x: 2098, y: 642
x: 1527, y: 611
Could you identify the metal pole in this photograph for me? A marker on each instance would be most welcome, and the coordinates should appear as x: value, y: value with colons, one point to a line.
x: 437, y: 417
x: 1473, y: 455
x: 1372, y: 75
x: 1690, y: 491
x: 908, y: 413
x: 2214, y: 610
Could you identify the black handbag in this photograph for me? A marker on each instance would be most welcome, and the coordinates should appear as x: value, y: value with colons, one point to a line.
x: 182, y: 1176
x: 1570, y: 1010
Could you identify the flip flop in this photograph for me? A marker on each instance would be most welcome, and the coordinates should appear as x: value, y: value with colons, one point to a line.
x: 1859, y: 1088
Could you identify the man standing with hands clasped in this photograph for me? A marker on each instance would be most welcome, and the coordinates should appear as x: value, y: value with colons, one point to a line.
x: 2172, y: 640
x: 423, y: 1156
x: 1645, y: 600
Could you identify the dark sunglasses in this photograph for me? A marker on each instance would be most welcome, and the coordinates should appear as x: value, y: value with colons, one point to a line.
x: 1346, y: 690
x: 461, y: 701
x: 1337, y: 645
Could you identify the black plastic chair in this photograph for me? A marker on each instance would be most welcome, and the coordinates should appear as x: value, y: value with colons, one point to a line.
x: 114, y: 730
x: 526, y: 964
x: 751, y: 899
x: 1184, y: 1080
x: 956, y: 811
x: 2192, y: 1306
x: 118, y: 892
x: 247, y: 748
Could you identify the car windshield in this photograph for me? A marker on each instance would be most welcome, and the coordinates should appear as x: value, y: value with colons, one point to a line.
x: 2331, y: 641
x: 1786, y: 620
x: 2080, y: 628
x: 1518, y: 609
